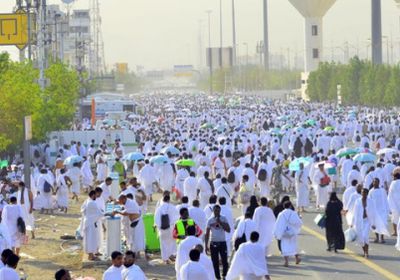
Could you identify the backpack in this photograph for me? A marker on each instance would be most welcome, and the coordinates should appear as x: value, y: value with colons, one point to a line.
x: 46, y: 187
x: 228, y: 153
x: 165, y: 223
x: 325, y: 181
x: 358, y: 138
x: 262, y: 175
x: 36, y: 154
x: 231, y: 177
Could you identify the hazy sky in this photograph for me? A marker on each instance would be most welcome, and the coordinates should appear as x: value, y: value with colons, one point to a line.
x: 161, y: 33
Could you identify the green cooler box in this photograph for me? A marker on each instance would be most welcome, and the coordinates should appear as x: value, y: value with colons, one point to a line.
x: 152, y: 240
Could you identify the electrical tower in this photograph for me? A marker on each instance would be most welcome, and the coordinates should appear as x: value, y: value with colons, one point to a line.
x: 97, y: 64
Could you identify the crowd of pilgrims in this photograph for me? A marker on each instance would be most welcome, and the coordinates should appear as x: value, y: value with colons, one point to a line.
x: 240, y: 151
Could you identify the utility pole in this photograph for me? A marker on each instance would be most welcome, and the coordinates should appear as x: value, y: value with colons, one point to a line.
x: 266, y: 39
x: 41, y: 55
x: 27, y: 150
x: 210, y: 51
x: 28, y: 10
x: 233, y: 32
x: 220, y: 33
x: 376, y: 27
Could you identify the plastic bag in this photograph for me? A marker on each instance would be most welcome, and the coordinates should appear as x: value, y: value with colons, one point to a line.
x: 350, y: 235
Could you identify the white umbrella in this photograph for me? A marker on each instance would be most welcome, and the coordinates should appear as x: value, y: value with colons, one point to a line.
x: 386, y: 151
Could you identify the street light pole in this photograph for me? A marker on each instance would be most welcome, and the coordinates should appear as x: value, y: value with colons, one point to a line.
x: 220, y: 33
x: 28, y: 10
x: 266, y: 40
x: 210, y: 51
x: 233, y: 32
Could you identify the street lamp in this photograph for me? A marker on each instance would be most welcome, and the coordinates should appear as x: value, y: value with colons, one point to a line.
x: 209, y: 50
x: 233, y: 32
x: 220, y: 33
x: 28, y: 10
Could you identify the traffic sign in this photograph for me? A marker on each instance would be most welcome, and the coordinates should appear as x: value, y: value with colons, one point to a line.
x: 28, y: 127
x: 14, y: 29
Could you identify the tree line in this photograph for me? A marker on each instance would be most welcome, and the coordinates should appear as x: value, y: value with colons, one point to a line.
x: 250, y: 78
x: 52, y: 108
x: 362, y: 83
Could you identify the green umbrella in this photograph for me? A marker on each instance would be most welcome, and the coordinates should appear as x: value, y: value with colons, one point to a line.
x: 3, y: 163
x: 186, y: 163
x: 329, y: 128
x: 346, y: 152
x: 311, y: 122
x: 206, y: 126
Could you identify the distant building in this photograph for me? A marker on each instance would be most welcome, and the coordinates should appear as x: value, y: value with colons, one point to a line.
x: 77, y: 51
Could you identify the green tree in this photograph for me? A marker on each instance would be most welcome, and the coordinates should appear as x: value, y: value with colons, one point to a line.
x: 20, y: 96
x: 59, y: 98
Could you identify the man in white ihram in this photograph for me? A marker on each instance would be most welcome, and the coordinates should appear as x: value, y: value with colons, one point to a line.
x: 265, y: 220
x: 394, y: 202
x: 130, y: 217
x: 147, y: 178
x: 287, y: 229
x: 184, y: 248
x: 115, y: 270
x: 193, y: 270
x: 164, y: 219
x: 249, y: 262
x: 91, y: 221
x: 131, y: 271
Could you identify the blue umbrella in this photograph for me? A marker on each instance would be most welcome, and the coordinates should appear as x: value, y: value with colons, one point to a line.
x: 364, y: 150
x: 136, y: 156
x: 240, y: 127
x: 159, y: 159
x: 365, y: 157
x: 295, y: 164
x: 170, y: 149
x: 72, y: 160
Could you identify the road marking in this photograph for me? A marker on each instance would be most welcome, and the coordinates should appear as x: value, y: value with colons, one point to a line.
x: 387, y: 274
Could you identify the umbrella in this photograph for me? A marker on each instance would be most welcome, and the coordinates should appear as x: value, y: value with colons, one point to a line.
x: 329, y: 128
x: 287, y: 126
x: 346, y: 152
x: 240, y: 127
x: 170, y: 149
x: 3, y: 163
x: 206, y: 126
x: 387, y: 151
x: 365, y: 150
x: 136, y: 156
x: 72, y: 160
x: 295, y: 164
x: 311, y: 122
x: 274, y: 130
x: 326, y: 164
x: 186, y: 162
x: 365, y: 157
x: 220, y: 128
x: 159, y: 159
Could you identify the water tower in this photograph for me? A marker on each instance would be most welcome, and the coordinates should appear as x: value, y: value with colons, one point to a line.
x: 313, y: 12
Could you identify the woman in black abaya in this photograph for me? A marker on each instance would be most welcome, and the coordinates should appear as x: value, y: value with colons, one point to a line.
x: 334, y: 230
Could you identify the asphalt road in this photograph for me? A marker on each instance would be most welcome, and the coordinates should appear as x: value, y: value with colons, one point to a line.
x: 317, y: 263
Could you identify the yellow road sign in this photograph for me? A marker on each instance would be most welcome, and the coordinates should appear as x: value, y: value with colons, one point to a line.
x: 122, y: 68
x: 14, y: 29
